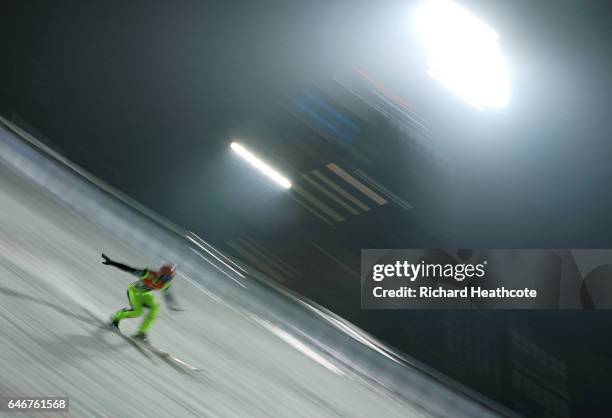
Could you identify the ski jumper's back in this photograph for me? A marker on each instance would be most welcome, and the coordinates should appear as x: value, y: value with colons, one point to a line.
x: 149, y: 281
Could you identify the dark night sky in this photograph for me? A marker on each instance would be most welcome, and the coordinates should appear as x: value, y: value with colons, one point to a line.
x: 119, y: 86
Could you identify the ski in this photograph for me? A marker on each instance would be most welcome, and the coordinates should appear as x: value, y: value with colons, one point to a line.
x: 145, y: 348
x: 107, y: 326
x: 172, y: 360
x: 131, y: 341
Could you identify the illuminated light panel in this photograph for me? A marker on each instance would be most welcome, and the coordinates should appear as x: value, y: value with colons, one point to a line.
x: 463, y: 54
x: 260, y: 165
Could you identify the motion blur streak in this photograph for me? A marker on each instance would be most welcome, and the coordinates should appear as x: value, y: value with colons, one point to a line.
x: 463, y: 53
x: 300, y: 346
x: 217, y: 267
x: 261, y: 166
x: 216, y: 258
x: 357, y: 184
x: 201, y: 241
x: 383, y: 89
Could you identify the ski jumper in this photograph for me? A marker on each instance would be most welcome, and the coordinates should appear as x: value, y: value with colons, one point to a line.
x: 140, y: 295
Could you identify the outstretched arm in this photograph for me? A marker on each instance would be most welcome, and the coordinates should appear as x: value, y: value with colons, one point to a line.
x: 171, y: 300
x: 108, y: 262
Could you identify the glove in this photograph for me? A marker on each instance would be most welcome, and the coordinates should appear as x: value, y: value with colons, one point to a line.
x: 171, y: 301
x: 107, y: 260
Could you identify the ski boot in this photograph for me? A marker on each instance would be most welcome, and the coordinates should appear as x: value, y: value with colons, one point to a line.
x: 141, y: 337
x: 114, y: 324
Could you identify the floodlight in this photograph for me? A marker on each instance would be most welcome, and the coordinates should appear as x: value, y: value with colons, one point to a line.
x: 463, y: 53
x: 260, y: 165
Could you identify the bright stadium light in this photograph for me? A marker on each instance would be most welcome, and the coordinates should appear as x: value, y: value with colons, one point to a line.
x: 463, y: 53
x: 260, y: 165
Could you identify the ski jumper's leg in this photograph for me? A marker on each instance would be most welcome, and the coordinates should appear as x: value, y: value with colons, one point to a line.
x: 135, y: 298
x: 149, y: 301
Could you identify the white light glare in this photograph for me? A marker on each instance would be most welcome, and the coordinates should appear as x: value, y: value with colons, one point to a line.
x: 260, y: 165
x: 463, y: 53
